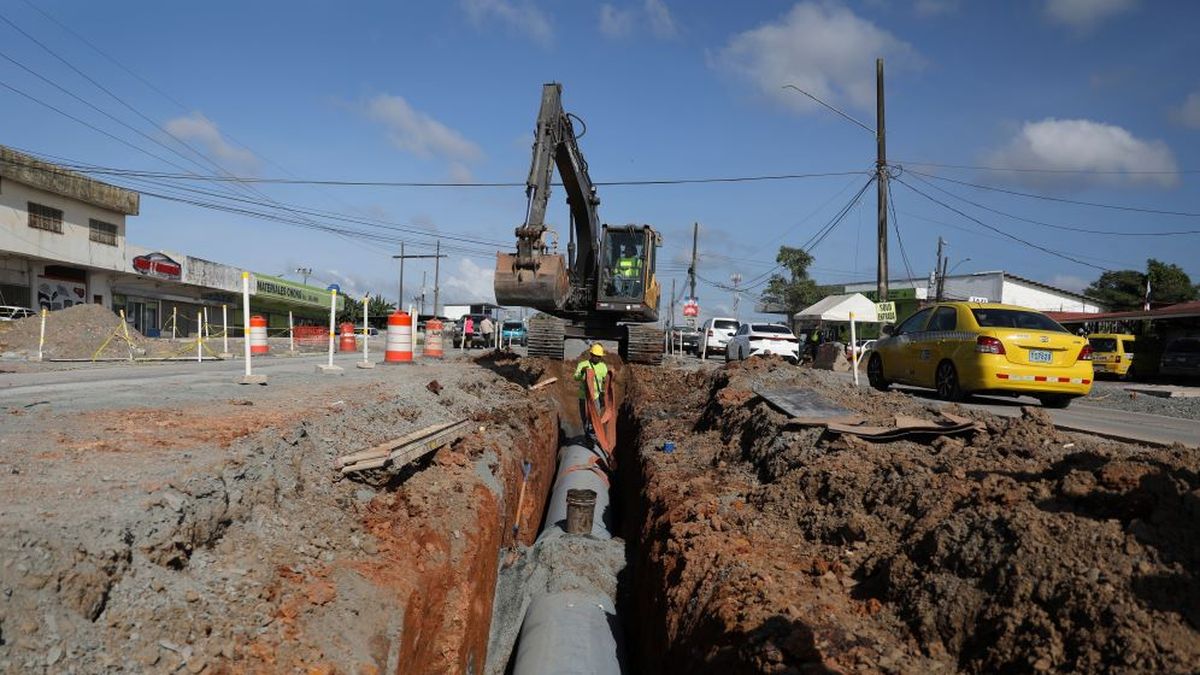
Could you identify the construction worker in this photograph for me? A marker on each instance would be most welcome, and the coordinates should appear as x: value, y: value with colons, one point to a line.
x: 629, y: 270
x: 595, y: 363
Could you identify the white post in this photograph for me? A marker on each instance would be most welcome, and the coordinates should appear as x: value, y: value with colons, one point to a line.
x: 366, y: 329
x: 224, y: 331
x: 332, y: 309
x: 246, y: 319
x: 199, y: 342
x: 207, y: 334
x: 174, y: 321
x: 291, y: 333
x: 42, y: 335
x: 854, y: 349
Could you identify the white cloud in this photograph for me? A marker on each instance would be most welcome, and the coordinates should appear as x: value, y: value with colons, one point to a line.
x: 197, y: 127
x: 935, y: 7
x: 413, y: 131
x: 1188, y: 112
x: 1117, y: 156
x: 469, y: 283
x: 519, y: 16
x: 620, y: 23
x: 822, y: 48
x: 1084, y: 15
x: 661, y: 21
x: 615, y: 23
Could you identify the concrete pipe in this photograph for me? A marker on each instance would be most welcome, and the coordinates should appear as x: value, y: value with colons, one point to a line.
x: 578, y: 469
x: 569, y: 633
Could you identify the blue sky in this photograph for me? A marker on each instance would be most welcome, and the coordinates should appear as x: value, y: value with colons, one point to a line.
x: 1100, y: 93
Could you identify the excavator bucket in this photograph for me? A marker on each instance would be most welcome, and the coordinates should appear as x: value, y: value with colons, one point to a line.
x: 544, y: 288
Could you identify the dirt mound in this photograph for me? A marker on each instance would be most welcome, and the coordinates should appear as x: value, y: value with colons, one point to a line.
x: 73, y: 333
x: 1019, y: 549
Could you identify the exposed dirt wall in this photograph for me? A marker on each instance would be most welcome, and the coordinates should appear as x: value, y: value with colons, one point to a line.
x: 765, y: 547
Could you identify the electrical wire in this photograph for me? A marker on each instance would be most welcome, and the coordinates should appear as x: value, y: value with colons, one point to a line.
x: 1061, y: 200
x: 899, y: 240
x: 1057, y: 254
x: 1098, y: 172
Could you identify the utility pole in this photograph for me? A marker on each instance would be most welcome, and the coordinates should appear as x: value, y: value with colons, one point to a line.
x: 737, y: 294
x: 881, y: 179
x: 437, y: 267
x: 402, y: 257
x: 671, y: 325
x: 692, y: 267
x: 939, y: 271
x: 304, y: 272
x: 422, y: 291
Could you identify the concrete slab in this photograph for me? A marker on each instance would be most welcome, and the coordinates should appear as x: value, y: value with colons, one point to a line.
x: 252, y: 379
x: 326, y: 369
x: 365, y: 364
x: 1165, y: 391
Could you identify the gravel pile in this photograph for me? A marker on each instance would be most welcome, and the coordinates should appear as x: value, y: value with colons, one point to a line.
x: 1114, y: 396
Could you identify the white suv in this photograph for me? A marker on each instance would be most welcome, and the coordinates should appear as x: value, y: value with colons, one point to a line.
x: 715, y: 334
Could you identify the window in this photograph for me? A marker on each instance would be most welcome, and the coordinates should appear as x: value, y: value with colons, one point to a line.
x: 944, y: 318
x: 45, y: 218
x: 102, y: 232
x: 1105, y: 345
x: 1015, y: 318
x: 771, y: 328
x: 725, y: 324
x: 1127, y: 345
x: 914, y: 323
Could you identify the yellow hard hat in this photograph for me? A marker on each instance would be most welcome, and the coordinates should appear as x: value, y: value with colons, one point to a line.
x: 597, y: 350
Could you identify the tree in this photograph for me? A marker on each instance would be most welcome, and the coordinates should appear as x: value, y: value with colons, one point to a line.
x: 379, y: 309
x: 796, y: 290
x: 1122, y: 290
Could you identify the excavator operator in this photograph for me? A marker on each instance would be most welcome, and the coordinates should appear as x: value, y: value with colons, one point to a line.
x: 629, y: 271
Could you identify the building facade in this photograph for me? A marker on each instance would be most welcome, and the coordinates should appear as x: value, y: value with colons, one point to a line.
x: 62, y: 243
x: 997, y: 286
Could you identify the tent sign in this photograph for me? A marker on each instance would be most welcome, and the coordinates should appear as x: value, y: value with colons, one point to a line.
x: 886, y: 312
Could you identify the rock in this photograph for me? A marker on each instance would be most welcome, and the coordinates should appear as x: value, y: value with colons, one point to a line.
x: 831, y: 356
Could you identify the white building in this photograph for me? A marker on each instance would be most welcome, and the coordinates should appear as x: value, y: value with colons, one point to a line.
x: 995, y: 286
x: 62, y: 243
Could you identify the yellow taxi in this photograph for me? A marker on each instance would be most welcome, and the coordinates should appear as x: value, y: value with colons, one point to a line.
x: 962, y: 348
x: 1112, y: 354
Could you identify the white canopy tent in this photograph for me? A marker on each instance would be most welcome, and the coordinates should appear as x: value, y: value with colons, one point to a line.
x: 838, y: 308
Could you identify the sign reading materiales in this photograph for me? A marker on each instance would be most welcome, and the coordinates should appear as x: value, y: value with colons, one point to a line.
x: 268, y: 287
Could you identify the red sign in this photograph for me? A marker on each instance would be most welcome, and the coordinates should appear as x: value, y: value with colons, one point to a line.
x: 691, y: 308
x: 158, y: 265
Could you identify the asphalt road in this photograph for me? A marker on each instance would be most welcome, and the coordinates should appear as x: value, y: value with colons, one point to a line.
x: 1119, y: 424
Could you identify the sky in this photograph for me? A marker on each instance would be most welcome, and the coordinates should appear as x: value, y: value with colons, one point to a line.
x: 1032, y: 106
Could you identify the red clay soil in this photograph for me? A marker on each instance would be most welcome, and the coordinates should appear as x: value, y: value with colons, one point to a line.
x: 765, y: 548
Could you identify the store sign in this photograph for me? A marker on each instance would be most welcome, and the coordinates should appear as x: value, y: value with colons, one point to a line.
x: 158, y: 265
x: 55, y: 294
x: 268, y: 288
x: 691, y: 307
x: 885, y: 312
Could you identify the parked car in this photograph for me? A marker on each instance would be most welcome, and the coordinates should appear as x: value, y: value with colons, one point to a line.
x: 514, y: 332
x: 689, y: 337
x: 961, y: 348
x: 1112, y: 354
x: 1181, y: 358
x: 759, y: 339
x: 9, y: 313
x: 715, y: 334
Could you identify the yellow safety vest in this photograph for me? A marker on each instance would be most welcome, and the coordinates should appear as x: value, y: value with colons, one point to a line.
x: 601, y: 370
x: 629, y: 267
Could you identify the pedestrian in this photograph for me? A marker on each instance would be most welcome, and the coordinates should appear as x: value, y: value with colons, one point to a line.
x: 595, y: 363
x: 488, y: 329
x: 468, y: 331
x: 814, y: 342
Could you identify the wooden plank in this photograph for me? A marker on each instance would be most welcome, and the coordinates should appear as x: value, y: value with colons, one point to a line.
x: 804, y: 404
x: 408, y: 448
x: 385, y: 448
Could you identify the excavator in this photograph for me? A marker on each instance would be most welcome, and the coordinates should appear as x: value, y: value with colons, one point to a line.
x: 604, y: 288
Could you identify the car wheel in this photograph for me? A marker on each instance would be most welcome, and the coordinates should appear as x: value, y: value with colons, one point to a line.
x: 946, y: 382
x: 727, y: 358
x: 1055, y: 400
x: 875, y: 373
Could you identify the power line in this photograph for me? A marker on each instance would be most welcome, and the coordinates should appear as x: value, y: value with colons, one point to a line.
x: 1068, y: 228
x: 1030, y: 244
x: 899, y: 240
x: 1061, y: 200
x: 1097, y: 172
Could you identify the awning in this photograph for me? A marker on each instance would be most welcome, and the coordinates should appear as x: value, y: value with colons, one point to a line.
x: 838, y: 308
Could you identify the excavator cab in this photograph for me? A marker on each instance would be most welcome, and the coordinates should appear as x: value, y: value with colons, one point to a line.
x: 627, y: 284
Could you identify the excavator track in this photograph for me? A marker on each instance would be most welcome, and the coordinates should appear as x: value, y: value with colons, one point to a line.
x: 546, y: 337
x: 643, y: 344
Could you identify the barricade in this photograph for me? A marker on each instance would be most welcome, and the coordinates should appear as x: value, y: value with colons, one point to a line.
x: 433, y: 339
x: 347, y: 343
x: 258, y: 336
x: 399, y: 339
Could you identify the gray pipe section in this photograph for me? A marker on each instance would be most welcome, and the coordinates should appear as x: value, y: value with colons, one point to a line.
x: 572, y: 631
x: 573, y: 473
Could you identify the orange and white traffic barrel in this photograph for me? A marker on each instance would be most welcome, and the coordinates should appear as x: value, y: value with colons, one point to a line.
x: 347, y: 343
x: 433, y: 339
x: 258, y: 336
x: 399, y: 339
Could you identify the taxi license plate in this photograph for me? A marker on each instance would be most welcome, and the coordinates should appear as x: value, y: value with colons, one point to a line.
x: 1040, y: 356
